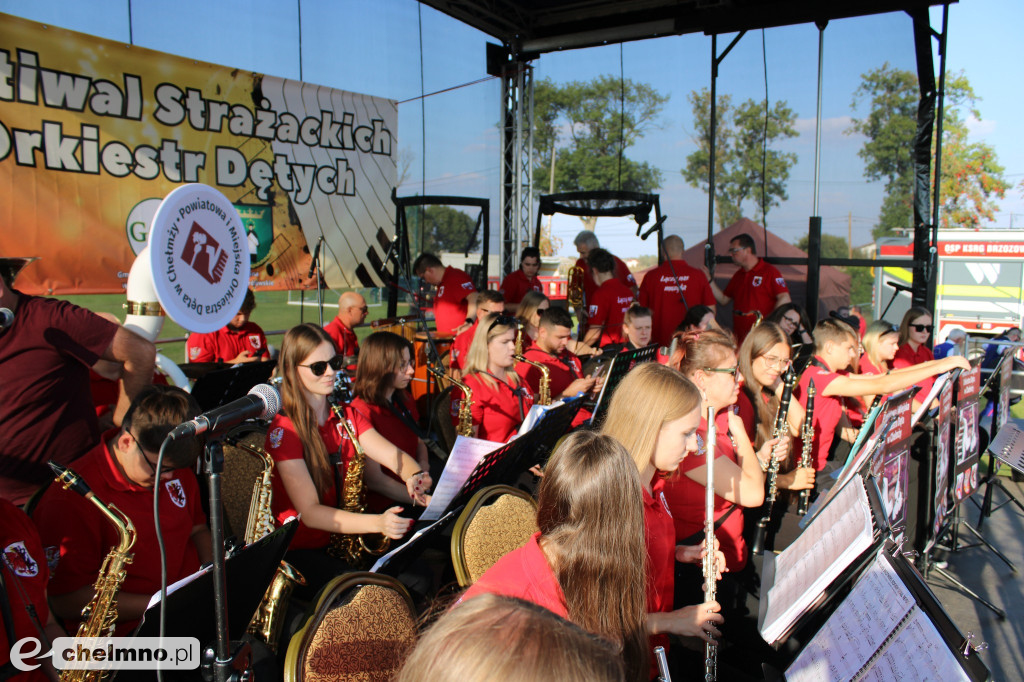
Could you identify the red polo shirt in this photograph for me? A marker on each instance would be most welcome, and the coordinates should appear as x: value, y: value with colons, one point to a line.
x: 622, y: 274
x: 523, y: 573
x: 866, y: 366
x: 660, y: 534
x: 345, y: 340
x: 225, y: 344
x: 391, y: 426
x: 451, y: 305
x: 686, y: 498
x: 562, y: 370
x: 747, y: 414
x: 828, y: 410
x: 78, y: 537
x: 659, y: 292
x: 517, y: 284
x: 461, y: 344
x: 24, y: 563
x: 607, y: 309
x: 496, y: 409
x: 752, y: 290
x: 283, y: 444
x: 908, y: 357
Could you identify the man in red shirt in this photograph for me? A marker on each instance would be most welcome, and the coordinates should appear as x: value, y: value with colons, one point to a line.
x: 585, y: 242
x: 608, y: 305
x: 455, y: 302
x: 756, y: 287
x: 352, y: 311
x: 240, y: 341
x: 671, y: 289
x: 121, y: 471
x: 488, y: 302
x: 515, y: 286
x: 45, y: 356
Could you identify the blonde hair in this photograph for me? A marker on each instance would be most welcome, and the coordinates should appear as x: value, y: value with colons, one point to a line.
x: 649, y: 397
x: 530, y: 304
x: 501, y: 638
x: 872, y: 341
x: 478, y: 355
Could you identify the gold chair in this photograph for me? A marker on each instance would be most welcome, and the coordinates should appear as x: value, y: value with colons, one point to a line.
x: 497, y: 520
x: 361, y: 630
x: 243, y: 466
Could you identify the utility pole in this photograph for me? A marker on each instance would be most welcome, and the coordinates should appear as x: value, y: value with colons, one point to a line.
x: 849, y: 234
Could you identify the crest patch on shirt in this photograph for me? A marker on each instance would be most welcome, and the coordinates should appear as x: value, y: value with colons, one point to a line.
x: 254, y: 341
x: 756, y: 281
x: 193, y: 352
x: 275, y: 437
x: 52, y: 557
x: 593, y: 310
x: 18, y: 559
x: 781, y: 282
x: 440, y: 291
x: 176, y: 492
x: 701, y: 447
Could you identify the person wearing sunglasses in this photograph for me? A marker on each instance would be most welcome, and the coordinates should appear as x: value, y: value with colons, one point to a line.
x: 352, y: 311
x: 608, y: 304
x: 915, y: 330
x: 121, y: 471
x: 241, y: 340
x: 312, y: 448
x: 500, y: 398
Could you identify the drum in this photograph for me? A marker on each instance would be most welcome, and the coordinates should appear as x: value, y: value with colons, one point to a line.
x: 423, y: 382
x: 406, y: 328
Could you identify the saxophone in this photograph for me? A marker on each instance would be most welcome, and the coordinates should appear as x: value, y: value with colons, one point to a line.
x: 807, y: 435
x: 519, y: 342
x: 710, y: 567
x: 544, y: 390
x: 353, y: 549
x: 100, y: 614
x: 465, y: 427
x: 575, y: 295
x: 780, y: 429
x: 266, y: 623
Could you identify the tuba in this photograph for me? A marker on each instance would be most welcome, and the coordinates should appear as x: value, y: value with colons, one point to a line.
x: 465, y: 426
x: 266, y: 623
x: 348, y: 547
x: 101, y: 613
x: 544, y: 390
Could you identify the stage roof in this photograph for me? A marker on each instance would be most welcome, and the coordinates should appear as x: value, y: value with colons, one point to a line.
x: 535, y: 26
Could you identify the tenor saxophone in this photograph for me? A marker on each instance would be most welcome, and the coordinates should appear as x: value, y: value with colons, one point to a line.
x: 709, y: 565
x: 268, y: 620
x: 544, y: 390
x: 100, y: 615
x: 351, y: 548
x: 575, y: 294
x: 807, y: 435
x: 519, y: 341
x: 780, y: 429
x: 465, y: 426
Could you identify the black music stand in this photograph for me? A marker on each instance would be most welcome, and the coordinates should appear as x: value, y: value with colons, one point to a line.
x: 1004, y: 371
x: 224, y: 385
x: 621, y: 364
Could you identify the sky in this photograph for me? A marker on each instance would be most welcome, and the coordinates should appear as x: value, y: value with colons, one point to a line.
x: 400, y: 49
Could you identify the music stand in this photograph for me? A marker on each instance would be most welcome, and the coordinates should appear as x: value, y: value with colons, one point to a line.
x: 224, y: 385
x: 1000, y: 416
x: 621, y: 364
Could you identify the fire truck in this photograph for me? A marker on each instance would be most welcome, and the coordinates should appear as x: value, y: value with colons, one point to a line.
x: 980, y: 280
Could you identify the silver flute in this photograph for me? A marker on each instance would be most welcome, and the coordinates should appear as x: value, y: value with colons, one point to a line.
x: 709, y: 564
x: 659, y: 656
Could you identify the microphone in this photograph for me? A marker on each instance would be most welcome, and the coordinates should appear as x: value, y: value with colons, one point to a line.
x: 263, y: 401
x: 316, y: 255
x: 6, y: 318
x: 900, y: 287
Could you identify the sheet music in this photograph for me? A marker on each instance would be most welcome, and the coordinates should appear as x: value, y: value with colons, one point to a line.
x: 857, y: 629
x: 937, y: 386
x: 175, y: 586
x: 466, y: 454
x: 840, y: 533
x: 534, y: 415
x: 916, y: 654
x: 383, y: 561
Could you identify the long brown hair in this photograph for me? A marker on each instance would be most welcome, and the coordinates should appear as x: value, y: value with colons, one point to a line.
x: 590, y: 514
x: 379, y: 358
x: 649, y: 397
x: 299, y: 342
x: 758, y: 342
x: 911, y: 315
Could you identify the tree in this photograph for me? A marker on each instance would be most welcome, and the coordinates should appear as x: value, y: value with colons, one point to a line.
x: 861, y: 282
x: 741, y: 154
x: 971, y: 174
x: 586, y: 126
x: 446, y: 229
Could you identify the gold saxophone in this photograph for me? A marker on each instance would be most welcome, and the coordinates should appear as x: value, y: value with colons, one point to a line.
x: 351, y: 548
x: 100, y: 615
x: 519, y: 342
x: 268, y: 620
x: 544, y: 390
x: 465, y: 426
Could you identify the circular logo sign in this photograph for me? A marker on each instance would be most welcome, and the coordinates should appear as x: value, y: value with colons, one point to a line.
x: 200, y: 256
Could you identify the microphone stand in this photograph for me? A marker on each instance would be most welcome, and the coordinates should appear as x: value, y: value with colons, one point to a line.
x: 895, y: 292
x: 314, y: 267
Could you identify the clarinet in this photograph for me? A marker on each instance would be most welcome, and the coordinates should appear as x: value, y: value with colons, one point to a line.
x: 778, y: 431
x: 807, y: 435
x: 709, y: 563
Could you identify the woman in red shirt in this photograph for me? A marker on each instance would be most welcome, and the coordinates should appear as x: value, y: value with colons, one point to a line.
x: 654, y: 413
x: 500, y: 399
x: 382, y: 397
x: 915, y: 330
x: 881, y: 341
x: 311, y: 449
x: 530, y: 308
x: 588, y: 563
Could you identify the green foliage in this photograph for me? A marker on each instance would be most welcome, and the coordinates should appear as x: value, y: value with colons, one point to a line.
x: 740, y: 155
x: 831, y: 246
x: 583, y: 125
x: 446, y: 230
x: 862, y: 282
x: 971, y: 174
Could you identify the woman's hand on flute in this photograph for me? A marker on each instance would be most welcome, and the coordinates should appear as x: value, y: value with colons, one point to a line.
x: 698, y: 620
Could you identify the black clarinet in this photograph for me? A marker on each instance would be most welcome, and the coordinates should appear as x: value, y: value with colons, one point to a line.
x: 778, y: 431
x: 807, y: 435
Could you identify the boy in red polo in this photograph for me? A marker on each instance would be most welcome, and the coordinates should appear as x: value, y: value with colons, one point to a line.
x: 518, y: 283
x: 608, y: 306
x: 455, y: 302
x: 240, y: 341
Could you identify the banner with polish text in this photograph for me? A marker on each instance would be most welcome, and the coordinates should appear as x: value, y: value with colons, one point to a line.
x: 95, y: 133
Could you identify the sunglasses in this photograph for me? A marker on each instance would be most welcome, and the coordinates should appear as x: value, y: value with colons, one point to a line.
x: 736, y: 249
x: 503, y: 320
x: 923, y: 327
x: 318, y: 368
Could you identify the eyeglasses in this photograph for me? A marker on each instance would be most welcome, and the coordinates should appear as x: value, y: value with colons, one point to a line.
x: 364, y: 310
x: 503, y: 320
x: 772, y: 362
x: 736, y: 249
x: 318, y: 368
x: 790, y: 320
x: 923, y: 327
x: 723, y: 370
x: 150, y: 465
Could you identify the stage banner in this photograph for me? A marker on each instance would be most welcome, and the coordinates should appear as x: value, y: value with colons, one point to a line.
x: 965, y: 470
x: 95, y: 133
x: 891, y: 463
x: 944, y: 429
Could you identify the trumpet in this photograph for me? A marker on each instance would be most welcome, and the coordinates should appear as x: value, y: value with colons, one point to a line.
x: 544, y: 390
x: 465, y: 426
x: 807, y: 435
x: 778, y: 431
x: 710, y: 567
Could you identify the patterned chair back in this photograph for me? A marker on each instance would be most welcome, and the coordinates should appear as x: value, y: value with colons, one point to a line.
x: 497, y: 520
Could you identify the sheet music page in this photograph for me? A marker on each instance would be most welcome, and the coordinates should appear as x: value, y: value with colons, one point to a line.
x: 857, y: 629
x: 466, y: 454
x: 175, y: 586
x: 383, y: 561
x: 939, y: 384
x: 534, y: 415
x: 819, y: 555
x: 917, y: 654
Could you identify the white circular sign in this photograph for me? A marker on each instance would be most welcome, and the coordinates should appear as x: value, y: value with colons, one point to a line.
x: 138, y: 222
x: 200, y: 257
